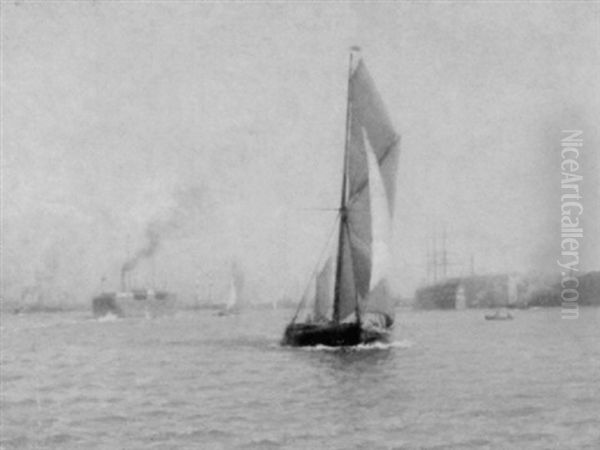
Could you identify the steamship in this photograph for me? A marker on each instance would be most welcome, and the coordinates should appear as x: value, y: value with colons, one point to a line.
x: 133, y: 302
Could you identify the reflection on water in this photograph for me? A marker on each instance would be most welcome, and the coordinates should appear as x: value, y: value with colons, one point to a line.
x: 448, y: 380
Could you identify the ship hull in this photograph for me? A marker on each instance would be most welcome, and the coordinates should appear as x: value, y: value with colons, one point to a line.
x: 123, y: 306
x: 331, y: 335
x: 225, y: 313
x: 494, y: 317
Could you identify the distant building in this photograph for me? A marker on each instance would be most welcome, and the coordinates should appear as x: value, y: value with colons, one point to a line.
x: 504, y: 291
x: 477, y: 291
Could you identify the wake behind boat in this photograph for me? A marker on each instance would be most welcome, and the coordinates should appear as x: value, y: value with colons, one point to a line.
x: 361, y: 310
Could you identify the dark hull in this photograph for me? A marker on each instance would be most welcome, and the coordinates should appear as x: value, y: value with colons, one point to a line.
x: 225, y: 313
x: 119, y: 305
x: 493, y: 317
x: 106, y: 304
x: 330, y: 334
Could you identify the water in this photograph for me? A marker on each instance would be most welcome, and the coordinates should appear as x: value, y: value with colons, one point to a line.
x: 449, y: 380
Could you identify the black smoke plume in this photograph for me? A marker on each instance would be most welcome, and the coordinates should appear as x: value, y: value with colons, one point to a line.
x: 188, y: 203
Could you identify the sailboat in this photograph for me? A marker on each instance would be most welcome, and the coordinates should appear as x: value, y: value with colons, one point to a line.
x: 234, y: 294
x: 361, y: 310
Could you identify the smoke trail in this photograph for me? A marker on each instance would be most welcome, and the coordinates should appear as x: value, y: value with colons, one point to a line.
x: 187, y: 203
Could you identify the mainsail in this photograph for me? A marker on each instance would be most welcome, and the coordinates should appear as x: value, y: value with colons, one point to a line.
x: 367, y: 202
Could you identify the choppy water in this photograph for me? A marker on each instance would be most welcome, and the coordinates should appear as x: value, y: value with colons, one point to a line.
x: 450, y: 380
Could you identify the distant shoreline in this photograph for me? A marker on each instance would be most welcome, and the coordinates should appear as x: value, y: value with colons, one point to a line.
x: 15, y: 309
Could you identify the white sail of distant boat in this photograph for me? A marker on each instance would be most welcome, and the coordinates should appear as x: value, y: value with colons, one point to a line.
x: 360, y: 298
x: 232, y: 296
x: 234, y: 300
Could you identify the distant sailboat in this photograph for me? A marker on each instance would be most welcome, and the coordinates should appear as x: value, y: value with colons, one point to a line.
x: 233, y: 304
x: 232, y: 298
x: 361, y: 309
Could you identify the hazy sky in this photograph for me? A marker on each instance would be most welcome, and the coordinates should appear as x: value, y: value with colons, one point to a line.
x: 222, y: 124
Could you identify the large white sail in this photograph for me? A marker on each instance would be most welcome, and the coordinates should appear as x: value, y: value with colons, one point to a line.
x: 380, y: 221
x: 363, y: 237
x: 378, y: 300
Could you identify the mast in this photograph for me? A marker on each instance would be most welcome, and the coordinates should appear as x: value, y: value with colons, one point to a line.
x: 343, y: 210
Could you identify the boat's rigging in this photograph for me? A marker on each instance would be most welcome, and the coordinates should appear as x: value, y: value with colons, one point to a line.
x: 315, y: 269
x: 343, y: 206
